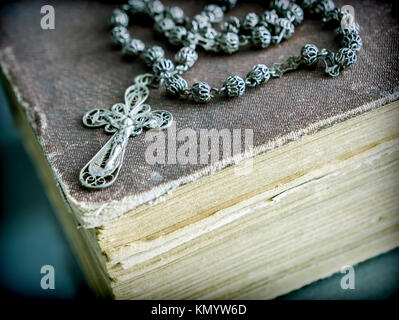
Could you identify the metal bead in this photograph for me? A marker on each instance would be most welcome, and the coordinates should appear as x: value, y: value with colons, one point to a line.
x: 133, y: 47
x: 229, y: 42
x: 232, y: 24
x: 321, y: 7
x: 137, y: 6
x: 250, y: 21
x: 352, y: 40
x: 295, y: 13
x: 269, y: 17
x: 214, y: 13
x: 177, y: 35
x: 210, y: 33
x: 341, y: 33
x: 309, y: 54
x: 163, y: 66
x: 186, y: 56
x: 119, y: 18
x: 155, y: 7
x: 201, y: 92
x: 190, y: 40
x: 261, y: 37
x: 235, y: 86
x: 280, y: 5
x: 163, y: 25
x: 257, y: 75
x: 176, y: 13
x: 226, y: 4
x: 202, y: 21
x: 175, y: 85
x: 287, y: 26
x: 119, y: 36
x: 152, y: 54
x: 345, y: 57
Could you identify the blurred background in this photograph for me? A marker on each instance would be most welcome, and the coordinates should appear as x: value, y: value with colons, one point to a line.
x: 31, y: 237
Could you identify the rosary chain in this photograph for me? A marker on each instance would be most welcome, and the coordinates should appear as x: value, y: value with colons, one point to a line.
x: 271, y: 27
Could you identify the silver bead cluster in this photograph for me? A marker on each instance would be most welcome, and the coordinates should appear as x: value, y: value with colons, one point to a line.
x: 271, y: 27
x: 347, y: 33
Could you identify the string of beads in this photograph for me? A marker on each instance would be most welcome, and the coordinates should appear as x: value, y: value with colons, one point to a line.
x: 261, y: 31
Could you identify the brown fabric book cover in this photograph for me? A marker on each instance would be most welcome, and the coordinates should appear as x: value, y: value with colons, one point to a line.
x: 58, y: 75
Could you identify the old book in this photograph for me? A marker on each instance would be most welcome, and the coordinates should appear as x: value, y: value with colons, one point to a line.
x: 317, y: 190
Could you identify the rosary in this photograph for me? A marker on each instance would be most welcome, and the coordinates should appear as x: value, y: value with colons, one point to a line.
x: 271, y: 27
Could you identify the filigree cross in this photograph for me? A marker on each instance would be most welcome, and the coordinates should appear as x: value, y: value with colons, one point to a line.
x: 124, y: 120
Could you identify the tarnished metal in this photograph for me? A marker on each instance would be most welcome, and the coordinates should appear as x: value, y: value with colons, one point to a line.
x: 124, y: 120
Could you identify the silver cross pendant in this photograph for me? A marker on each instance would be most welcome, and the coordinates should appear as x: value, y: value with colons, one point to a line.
x: 124, y: 120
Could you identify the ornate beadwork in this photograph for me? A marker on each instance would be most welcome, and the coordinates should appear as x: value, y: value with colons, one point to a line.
x: 321, y: 7
x: 250, y: 21
x: 137, y: 6
x: 186, y: 56
x: 232, y: 24
x: 175, y: 85
x: 162, y: 67
x: 257, y: 75
x: 309, y: 54
x: 284, y: 29
x: 201, y: 92
x: 295, y: 14
x: 345, y: 57
x: 261, y: 37
x: 214, y: 12
x: 163, y: 25
x: 176, y: 35
x: 119, y: 35
x: 124, y: 120
x: 280, y: 5
x: 352, y: 40
x: 154, y: 7
x: 176, y: 13
x: 272, y: 26
x: 133, y: 47
x: 235, y: 86
x: 229, y: 42
x: 119, y: 18
x: 152, y: 54
x: 269, y: 17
